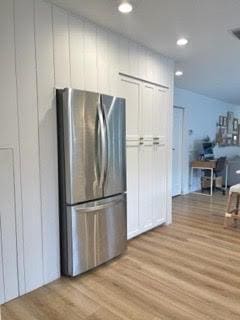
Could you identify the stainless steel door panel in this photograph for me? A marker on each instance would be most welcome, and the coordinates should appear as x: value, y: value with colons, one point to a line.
x: 114, y: 117
x: 84, y: 142
x: 96, y: 233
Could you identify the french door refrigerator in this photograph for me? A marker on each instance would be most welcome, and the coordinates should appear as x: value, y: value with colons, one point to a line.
x: 92, y: 178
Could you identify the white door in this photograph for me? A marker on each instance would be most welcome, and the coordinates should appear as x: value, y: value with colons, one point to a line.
x: 177, y: 151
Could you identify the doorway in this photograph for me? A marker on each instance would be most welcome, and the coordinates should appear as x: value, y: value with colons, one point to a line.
x: 177, y: 154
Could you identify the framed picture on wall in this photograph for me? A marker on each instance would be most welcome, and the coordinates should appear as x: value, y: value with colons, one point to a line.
x: 230, y: 122
x: 220, y: 122
x: 235, y: 125
x: 224, y: 121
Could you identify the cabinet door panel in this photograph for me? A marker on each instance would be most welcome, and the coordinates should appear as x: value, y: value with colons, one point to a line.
x: 132, y: 190
x: 159, y: 185
x: 145, y: 186
x: 147, y: 111
x: 130, y: 90
x: 160, y: 124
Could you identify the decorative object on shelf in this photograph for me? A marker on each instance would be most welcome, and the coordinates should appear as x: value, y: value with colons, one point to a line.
x: 228, y: 130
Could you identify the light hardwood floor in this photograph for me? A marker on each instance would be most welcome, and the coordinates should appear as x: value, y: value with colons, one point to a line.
x: 189, y: 270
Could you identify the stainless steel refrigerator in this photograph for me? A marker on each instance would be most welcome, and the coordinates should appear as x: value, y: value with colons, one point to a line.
x: 92, y: 178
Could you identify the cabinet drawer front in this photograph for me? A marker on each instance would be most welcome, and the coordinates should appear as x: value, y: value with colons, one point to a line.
x: 96, y: 233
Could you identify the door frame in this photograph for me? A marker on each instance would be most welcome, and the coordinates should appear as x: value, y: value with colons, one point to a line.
x: 184, y: 155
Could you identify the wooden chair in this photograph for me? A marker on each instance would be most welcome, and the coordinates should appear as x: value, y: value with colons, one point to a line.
x: 233, y: 213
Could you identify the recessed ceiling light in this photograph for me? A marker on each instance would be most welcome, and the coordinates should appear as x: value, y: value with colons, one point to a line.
x: 178, y: 73
x: 182, y: 42
x: 125, y: 7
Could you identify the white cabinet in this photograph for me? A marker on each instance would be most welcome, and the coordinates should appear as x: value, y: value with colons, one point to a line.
x: 147, y: 108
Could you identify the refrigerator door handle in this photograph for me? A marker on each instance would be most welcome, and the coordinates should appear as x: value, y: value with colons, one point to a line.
x: 103, y: 145
x: 106, y: 129
x: 93, y: 208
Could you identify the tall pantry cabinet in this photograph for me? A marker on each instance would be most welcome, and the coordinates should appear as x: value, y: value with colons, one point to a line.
x: 147, y: 117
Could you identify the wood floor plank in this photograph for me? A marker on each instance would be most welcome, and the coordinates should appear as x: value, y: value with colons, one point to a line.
x: 188, y: 270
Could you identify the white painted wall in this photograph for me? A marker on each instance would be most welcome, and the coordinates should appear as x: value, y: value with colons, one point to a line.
x: 201, y: 115
x: 42, y: 47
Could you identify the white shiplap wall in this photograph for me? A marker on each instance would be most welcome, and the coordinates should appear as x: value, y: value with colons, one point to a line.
x: 43, y: 47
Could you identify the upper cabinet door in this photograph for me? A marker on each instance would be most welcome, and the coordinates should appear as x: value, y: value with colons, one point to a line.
x: 114, y: 118
x: 147, y: 111
x: 161, y: 109
x: 131, y: 91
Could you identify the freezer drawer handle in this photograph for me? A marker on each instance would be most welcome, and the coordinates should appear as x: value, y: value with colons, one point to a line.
x: 100, y: 207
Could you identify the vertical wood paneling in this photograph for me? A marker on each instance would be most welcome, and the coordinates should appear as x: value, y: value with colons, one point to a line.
x: 9, y: 114
x: 156, y: 68
x: 76, y: 36
x: 113, y: 47
x: 134, y: 59
x: 90, y: 57
x: 142, y: 62
x: 47, y: 139
x: 61, y: 48
x: 150, y: 67
x: 29, y: 146
x: 123, y: 55
x: 2, y: 286
x: 55, y: 49
x: 103, y: 61
x: 8, y: 224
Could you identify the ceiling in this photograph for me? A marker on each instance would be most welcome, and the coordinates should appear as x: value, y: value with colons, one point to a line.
x: 210, y: 62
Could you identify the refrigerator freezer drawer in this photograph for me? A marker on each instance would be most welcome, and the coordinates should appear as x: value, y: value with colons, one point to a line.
x: 94, y: 233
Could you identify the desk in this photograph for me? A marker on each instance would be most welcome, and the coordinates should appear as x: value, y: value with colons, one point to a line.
x: 207, y: 165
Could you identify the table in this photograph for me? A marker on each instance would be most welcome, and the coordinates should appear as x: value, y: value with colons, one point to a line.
x: 207, y: 165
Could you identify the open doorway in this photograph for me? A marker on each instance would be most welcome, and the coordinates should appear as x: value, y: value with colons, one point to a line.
x: 177, y: 155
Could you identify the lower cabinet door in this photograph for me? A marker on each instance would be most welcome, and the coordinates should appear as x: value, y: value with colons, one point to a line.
x: 159, y: 185
x: 146, y: 187
x: 132, y: 189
